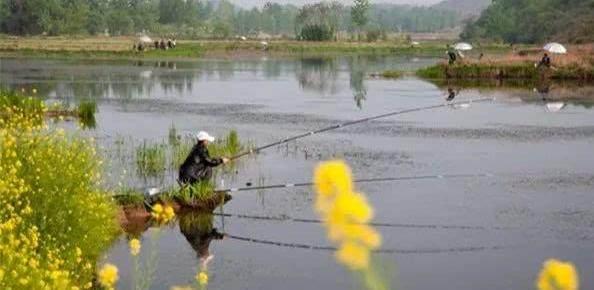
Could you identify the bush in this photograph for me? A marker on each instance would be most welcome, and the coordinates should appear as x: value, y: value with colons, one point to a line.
x: 316, y: 32
x: 54, y: 220
x: 375, y: 35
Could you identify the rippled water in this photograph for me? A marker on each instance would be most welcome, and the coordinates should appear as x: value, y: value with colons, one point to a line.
x: 474, y: 233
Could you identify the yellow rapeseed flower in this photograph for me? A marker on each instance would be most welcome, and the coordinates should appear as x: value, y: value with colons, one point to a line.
x: 353, y: 255
x: 134, y: 247
x: 558, y: 275
x: 331, y: 177
x: 181, y: 288
x: 346, y: 215
x: 162, y: 214
x: 202, y: 278
x: 108, y: 276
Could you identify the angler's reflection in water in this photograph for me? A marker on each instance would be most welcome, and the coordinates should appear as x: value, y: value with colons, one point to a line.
x: 543, y: 88
x: 451, y: 94
x: 198, y: 229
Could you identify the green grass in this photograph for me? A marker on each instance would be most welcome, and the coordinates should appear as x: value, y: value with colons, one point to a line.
x: 516, y: 70
x: 151, y: 159
x: 199, y: 192
x: 392, y: 74
x: 226, y: 146
x: 129, y: 197
x: 86, y: 111
x: 121, y: 48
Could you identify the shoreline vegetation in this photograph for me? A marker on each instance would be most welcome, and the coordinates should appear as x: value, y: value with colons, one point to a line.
x: 577, y: 65
x: 122, y: 48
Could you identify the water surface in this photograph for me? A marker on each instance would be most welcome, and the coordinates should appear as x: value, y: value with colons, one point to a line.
x: 477, y: 233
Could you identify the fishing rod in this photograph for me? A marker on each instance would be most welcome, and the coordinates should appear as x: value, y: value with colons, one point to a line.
x: 350, y: 123
x: 367, y: 180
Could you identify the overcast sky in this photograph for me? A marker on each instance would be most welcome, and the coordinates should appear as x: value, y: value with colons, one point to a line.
x: 249, y: 3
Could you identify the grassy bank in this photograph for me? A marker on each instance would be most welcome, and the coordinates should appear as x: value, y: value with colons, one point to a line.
x: 524, y: 71
x: 577, y: 65
x: 55, y: 221
x: 121, y: 48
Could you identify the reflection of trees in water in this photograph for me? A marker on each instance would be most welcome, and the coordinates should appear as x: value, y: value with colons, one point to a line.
x: 318, y: 74
x: 358, y: 69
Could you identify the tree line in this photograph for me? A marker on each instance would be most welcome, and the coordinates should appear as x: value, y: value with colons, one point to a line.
x: 211, y: 18
x: 534, y: 21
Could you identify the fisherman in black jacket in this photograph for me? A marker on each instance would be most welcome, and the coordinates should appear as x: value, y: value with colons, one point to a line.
x: 198, y: 165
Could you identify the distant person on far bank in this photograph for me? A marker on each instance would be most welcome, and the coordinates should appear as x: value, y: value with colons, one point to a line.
x: 451, y: 55
x: 545, y: 61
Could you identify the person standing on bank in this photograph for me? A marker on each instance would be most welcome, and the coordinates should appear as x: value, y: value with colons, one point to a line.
x: 198, y: 165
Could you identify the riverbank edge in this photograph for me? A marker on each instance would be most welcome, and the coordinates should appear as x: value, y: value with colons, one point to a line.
x: 508, y: 71
x: 121, y: 49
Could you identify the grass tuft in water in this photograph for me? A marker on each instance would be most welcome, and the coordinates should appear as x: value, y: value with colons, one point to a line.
x: 199, y: 192
x: 86, y: 111
x: 151, y: 159
x: 392, y: 74
x: 226, y: 146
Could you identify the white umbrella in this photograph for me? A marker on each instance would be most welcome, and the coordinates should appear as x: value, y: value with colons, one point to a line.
x: 555, y: 107
x: 463, y: 46
x: 554, y: 47
x: 145, y: 39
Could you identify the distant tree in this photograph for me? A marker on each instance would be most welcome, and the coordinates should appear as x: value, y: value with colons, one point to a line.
x: 320, y: 20
x: 359, y: 15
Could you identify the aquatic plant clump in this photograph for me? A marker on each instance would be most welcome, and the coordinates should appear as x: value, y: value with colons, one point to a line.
x: 151, y: 159
x: 86, y: 111
x: 53, y: 224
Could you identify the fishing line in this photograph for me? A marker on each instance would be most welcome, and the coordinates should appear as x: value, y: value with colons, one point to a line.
x: 380, y: 251
x: 350, y: 123
x: 375, y: 224
x: 367, y: 180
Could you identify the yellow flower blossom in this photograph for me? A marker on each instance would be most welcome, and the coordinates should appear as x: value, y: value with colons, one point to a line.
x: 202, y: 278
x: 346, y: 215
x: 181, y: 288
x: 331, y: 177
x: 558, y: 275
x: 134, y: 247
x: 108, y: 276
x: 353, y: 255
x: 162, y: 214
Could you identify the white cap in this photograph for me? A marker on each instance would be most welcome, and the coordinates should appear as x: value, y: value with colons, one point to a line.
x: 205, y: 136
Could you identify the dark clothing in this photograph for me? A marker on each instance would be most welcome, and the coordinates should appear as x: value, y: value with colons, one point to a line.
x: 198, y: 165
x: 451, y: 95
x: 452, y: 56
x: 545, y: 61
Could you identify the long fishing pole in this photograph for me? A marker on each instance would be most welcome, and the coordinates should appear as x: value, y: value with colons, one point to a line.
x: 367, y: 180
x: 350, y: 123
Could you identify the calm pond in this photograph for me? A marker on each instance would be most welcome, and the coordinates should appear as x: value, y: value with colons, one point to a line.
x: 475, y: 233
